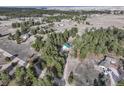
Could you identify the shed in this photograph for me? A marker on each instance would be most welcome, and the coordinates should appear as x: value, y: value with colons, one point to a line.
x: 25, y: 37
x: 66, y: 47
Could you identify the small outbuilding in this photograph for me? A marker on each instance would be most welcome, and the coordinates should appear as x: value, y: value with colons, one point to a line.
x: 66, y: 47
x: 25, y: 37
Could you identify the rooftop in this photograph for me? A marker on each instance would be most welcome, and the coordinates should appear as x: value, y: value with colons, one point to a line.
x: 67, y: 45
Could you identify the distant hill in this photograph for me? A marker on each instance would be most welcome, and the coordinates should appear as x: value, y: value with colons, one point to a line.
x: 64, y: 8
x: 85, y: 7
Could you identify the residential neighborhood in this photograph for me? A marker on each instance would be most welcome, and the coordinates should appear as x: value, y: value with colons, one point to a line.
x: 59, y: 46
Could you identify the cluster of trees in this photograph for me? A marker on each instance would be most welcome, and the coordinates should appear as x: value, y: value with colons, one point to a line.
x: 26, y: 28
x: 33, y: 12
x: 4, y: 78
x: 58, y: 18
x: 50, y: 50
x: 25, y: 23
x: 16, y: 36
x: 28, y: 77
x: 25, y: 77
x: 120, y: 83
x: 96, y: 12
x: 100, y: 41
x: 26, y: 12
x: 93, y: 41
x: 42, y: 30
x: 16, y: 25
x: 80, y: 18
x: 54, y: 38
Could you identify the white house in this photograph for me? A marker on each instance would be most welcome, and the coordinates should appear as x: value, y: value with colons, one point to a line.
x: 25, y: 37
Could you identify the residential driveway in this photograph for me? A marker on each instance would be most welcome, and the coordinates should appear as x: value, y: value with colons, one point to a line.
x: 70, y: 66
